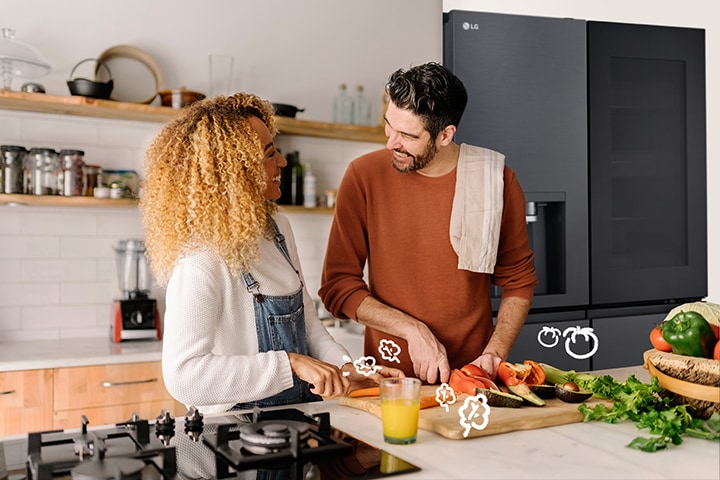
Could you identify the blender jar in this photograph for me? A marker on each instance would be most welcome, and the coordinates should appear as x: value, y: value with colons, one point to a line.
x: 134, y: 277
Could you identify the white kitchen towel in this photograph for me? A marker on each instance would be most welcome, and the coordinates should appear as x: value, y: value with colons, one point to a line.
x: 477, y: 208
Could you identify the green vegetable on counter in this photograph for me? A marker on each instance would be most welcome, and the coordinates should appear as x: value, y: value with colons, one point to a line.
x: 639, y: 403
x: 688, y: 333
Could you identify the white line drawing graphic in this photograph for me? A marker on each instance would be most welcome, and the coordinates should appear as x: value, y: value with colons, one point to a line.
x: 587, y: 333
x: 389, y: 350
x: 445, y: 396
x: 553, y: 332
x: 474, y: 408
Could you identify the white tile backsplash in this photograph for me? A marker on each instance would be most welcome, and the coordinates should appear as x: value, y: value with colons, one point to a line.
x: 57, y: 265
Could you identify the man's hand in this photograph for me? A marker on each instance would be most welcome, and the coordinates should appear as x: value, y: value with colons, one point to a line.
x: 427, y: 354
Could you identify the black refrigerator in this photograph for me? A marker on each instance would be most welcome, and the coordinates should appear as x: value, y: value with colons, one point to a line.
x: 604, y: 124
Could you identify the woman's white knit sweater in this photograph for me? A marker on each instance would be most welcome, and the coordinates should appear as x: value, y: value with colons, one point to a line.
x: 210, y: 353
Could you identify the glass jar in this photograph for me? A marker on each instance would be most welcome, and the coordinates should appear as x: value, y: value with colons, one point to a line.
x: 122, y: 183
x: 13, y: 167
x: 43, y: 170
x: 72, y: 162
x: 92, y: 178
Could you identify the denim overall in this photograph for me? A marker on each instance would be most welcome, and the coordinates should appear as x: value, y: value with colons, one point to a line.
x: 280, y: 325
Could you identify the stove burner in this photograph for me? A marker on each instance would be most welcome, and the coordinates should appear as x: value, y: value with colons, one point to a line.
x: 272, y: 436
x: 109, y: 469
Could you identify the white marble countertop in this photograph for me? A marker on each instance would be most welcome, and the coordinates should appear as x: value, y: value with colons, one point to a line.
x: 586, y: 451
x: 77, y: 352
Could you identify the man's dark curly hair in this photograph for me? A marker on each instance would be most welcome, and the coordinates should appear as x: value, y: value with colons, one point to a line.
x: 430, y: 91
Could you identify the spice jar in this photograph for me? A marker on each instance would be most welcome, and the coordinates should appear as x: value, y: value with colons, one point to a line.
x: 13, y: 167
x: 72, y: 165
x: 92, y: 177
x: 43, y: 169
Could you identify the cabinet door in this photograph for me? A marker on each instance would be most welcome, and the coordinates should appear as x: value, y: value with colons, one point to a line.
x: 647, y: 163
x: 25, y: 401
x: 625, y: 338
x: 133, y: 386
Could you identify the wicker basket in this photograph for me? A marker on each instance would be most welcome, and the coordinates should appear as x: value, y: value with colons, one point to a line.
x: 688, y: 380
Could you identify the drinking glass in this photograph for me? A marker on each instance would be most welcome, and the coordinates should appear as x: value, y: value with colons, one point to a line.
x: 400, y: 409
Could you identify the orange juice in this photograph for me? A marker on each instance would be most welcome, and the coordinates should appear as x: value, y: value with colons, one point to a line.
x: 400, y: 420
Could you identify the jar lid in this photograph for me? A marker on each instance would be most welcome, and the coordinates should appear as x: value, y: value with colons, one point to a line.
x: 43, y: 150
x: 13, y: 148
x: 71, y: 152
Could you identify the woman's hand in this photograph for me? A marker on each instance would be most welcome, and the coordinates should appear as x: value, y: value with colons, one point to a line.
x: 359, y: 380
x: 326, y: 379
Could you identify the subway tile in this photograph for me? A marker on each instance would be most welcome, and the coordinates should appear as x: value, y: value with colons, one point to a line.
x: 85, y: 332
x: 63, y: 222
x: 31, y: 335
x: 9, y: 270
x: 10, y: 219
x: 26, y: 294
x: 58, y: 270
x: 87, y: 293
x: 58, y: 316
x: 49, y: 132
x: 9, y: 319
x: 29, y: 246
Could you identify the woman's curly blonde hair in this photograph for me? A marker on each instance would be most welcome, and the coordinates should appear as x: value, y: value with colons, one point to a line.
x: 205, y: 182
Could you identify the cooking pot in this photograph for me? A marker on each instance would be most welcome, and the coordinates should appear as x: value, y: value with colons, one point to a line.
x: 285, y: 110
x: 90, y: 88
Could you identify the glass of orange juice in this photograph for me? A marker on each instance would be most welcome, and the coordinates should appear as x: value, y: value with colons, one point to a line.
x: 400, y: 409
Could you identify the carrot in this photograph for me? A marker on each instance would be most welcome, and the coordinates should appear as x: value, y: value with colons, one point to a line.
x: 428, y: 401
x: 365, y: 392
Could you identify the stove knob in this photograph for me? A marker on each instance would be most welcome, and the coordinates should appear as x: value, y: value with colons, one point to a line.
x: 194, y: 423
x: 165, y: 427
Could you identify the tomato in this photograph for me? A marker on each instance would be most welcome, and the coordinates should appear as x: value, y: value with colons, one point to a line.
x: 658, y: 342
x: 716, y: 351
x: 474, y: 371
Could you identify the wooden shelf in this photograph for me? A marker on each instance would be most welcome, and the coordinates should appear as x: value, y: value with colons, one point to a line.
x: 11, y: 199
x: 93, y: 107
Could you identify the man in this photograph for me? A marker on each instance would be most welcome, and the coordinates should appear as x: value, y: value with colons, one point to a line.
x: 437, y: 224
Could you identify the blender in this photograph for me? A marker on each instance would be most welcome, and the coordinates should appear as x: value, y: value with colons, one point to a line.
x: 135, y: 315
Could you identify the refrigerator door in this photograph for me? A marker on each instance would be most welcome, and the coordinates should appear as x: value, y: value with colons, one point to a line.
x: 647, y: 163
x: 526, y: 82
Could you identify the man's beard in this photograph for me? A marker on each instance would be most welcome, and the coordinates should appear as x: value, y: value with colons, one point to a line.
x: 419, y: 161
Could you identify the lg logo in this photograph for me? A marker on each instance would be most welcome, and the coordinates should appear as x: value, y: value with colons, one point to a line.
x: 470, y: 26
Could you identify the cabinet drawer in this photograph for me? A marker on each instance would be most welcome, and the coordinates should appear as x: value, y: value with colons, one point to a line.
x: 109, y: 385
x: 25, y: 401
x: 110, y: 415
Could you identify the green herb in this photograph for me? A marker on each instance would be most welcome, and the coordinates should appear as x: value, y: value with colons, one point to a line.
x: 640, y: 403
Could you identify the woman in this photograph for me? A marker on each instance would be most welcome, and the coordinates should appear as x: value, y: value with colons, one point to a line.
x: 240, y: 329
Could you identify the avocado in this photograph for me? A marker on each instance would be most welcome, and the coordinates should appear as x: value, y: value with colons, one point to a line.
x: 543, y: 391
x: 571, y: 396
x: 522, y: 390
x: 496, y: 398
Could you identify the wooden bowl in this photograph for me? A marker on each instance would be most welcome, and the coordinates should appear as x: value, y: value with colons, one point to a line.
x: 179, y: 97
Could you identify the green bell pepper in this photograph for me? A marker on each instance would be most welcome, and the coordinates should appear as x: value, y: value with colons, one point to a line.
x: 688, y: 333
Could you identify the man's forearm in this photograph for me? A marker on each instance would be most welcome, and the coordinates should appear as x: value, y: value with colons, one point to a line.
x: 510, y: 320
x: 384, y: 318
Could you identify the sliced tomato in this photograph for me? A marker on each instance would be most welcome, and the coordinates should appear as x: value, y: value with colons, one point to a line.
x: 658, y: 342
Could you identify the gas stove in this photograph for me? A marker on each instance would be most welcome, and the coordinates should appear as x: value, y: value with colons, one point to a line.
x: 277, y: 444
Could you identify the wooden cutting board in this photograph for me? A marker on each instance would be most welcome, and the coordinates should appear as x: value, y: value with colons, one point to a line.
x: 500, y: 419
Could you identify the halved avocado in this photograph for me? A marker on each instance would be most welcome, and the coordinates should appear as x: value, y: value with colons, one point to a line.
x: 523, y: 390
x: 571, y: 396
x: 496, y: 398
x: 543, y: 391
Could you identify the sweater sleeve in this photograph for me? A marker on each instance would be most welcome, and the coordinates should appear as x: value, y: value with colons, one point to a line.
x: 196, y: 317
x: 514, y: 270
x: 342, y: 284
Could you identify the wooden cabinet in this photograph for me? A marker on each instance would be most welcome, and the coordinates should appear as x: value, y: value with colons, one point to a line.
x: 37, y: 400
x: 110, y: 393
x: 26, y: 401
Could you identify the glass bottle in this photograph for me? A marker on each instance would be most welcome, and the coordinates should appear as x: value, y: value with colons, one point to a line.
x: 362, y: 108
x: 343, y: 106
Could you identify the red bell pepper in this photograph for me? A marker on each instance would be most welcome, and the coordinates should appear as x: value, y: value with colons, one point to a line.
x: 462, y: 383
x: 528, y: 372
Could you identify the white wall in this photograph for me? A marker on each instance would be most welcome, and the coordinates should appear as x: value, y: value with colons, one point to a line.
x: 57, y: 271
x: 689, y: 13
